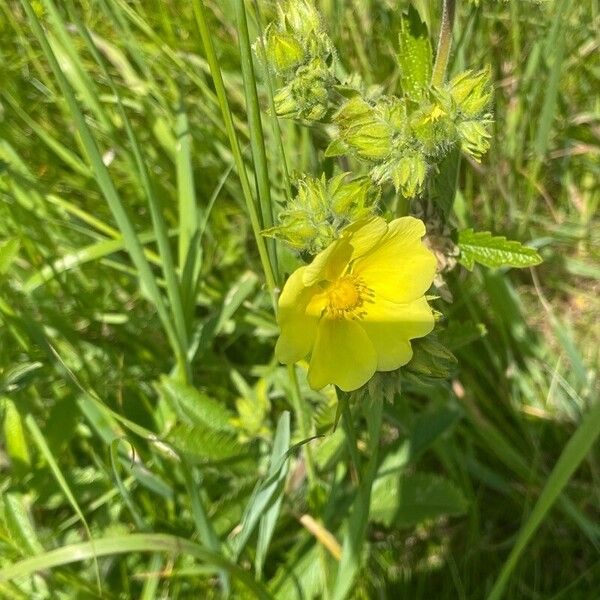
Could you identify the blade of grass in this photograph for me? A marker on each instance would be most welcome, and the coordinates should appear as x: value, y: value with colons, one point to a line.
x: 188, y: 213
x: 65, y: 154
x: 79, y: 257
x: 106, y: 184
x: 40, y: 441
x: 190, y: 250
x: 158, y: 221
x: 150, y: 591
x: 571, y: 457
x: 114, y: 462
x: 257, y: 141
x: 215, y: 69
x: 137, y: 542
x: 204, y: 527
x: 275, y: 125
x: 266, y: 527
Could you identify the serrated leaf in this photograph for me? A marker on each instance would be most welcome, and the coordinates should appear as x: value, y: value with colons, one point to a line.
x: 461, y: 333
x: 194, y: 406
x: 494, y: 251
x: 414, y: 56
x: 200, y: 443
x: 431, y: 359
x: 409, y: 500
x: 336, y: 148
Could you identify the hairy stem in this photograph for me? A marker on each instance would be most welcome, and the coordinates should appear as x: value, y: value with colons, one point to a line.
x: 444, y: 42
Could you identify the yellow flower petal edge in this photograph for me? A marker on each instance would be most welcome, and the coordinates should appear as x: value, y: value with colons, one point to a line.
x: 356, y: 307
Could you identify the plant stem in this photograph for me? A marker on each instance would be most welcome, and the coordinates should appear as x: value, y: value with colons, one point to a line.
x: 444, y: 42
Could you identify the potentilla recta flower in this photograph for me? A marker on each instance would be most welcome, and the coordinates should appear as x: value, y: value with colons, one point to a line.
x: 356, y: 307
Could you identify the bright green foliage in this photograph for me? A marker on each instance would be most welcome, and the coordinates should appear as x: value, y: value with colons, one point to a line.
x: 414, y: 55
x: 321, y: 209
x: 431, y: 359
x: 176, y: 461
x: 8, y: 252
x: 494, y: 251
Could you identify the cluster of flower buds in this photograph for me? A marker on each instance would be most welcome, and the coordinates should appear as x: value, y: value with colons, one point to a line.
x: 401, y: 140
x: 298, y: 49
x: 321, y: 209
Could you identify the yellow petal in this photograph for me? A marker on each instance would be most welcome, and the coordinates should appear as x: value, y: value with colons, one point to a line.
x: 342, y: 355
x: 329, y: 264
x: 296, y: 339
x: 298, y: 328
x: 364, y: 235
x: 390, y: 326
x: 399, y: 268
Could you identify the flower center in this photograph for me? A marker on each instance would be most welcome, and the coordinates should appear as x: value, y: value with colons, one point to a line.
x: 346, y: 296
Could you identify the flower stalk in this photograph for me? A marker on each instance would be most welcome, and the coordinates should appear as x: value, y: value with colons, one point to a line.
x: 444, y: 43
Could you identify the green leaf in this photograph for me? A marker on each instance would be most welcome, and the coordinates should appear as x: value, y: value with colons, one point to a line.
x: 412, y: 499
x: 336, y: 148
x: 19, y: 524
x: 265, y: 501
x: 194, y: 406
x: 201, y: 444
x: 14, y: 435
x: 431, y: 359
x: 8, y: 252
x: 278, y: 468
x: 494, y: 251
x: 415, y: 56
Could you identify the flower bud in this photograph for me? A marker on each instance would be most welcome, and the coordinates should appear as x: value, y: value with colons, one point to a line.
x: 284, y: 52
x: 321, y: 209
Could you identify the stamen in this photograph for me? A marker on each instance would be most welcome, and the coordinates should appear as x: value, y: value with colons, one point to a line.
x: 346, y: 297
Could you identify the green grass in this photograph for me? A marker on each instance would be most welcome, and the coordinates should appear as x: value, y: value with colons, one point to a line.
x: 152, y: 447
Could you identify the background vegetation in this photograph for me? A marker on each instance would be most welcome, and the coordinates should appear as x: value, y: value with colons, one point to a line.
x: 140, y: 401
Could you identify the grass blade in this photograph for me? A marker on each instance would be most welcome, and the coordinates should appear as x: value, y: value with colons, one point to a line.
x: 138, y: 542
x: 574, y: 452
x: 40, y: 441
x: 257, y: 140
x: 267, y: 523
x: 105, y: 182
x: 199, y: 12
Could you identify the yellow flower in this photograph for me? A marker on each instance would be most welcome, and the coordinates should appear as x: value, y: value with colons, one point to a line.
x: 356, y: 307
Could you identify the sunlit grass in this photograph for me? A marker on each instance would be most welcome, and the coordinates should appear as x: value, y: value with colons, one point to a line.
x: 143, y: 413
